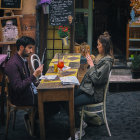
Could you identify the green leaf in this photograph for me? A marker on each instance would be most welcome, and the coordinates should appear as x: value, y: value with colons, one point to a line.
x: 62, y: 34
x: 136, y: 62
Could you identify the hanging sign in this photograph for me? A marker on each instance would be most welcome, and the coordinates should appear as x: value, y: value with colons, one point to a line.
x: 11, y: 4
x: 61, y: 12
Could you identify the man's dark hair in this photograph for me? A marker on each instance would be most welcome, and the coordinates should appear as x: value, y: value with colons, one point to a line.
x: 24, y: 41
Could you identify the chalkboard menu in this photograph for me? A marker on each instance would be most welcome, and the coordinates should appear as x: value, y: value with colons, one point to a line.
x: 61, y: 12
x: 11, y: 4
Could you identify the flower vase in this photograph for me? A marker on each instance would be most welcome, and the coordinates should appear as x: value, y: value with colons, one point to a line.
x: 65, y: 41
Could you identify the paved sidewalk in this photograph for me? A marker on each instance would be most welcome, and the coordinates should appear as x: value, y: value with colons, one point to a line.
x: 123, y: 113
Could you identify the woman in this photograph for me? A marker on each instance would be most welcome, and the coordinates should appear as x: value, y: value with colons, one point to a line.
x: 93, y: 84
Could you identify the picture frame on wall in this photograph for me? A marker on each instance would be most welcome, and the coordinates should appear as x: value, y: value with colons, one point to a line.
x: 11, y: 4
x: 11, y: 29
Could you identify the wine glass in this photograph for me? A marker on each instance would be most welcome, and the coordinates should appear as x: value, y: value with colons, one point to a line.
x: 60, y: 64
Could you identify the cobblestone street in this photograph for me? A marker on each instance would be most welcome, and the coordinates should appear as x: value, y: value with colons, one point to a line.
x: 123, y: 113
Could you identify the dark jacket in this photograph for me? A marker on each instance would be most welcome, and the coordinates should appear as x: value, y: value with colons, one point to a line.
x: 96, y: 77
x: 20, y: 91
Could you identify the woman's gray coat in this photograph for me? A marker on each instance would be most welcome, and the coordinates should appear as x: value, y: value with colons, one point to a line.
x: 96, y: 78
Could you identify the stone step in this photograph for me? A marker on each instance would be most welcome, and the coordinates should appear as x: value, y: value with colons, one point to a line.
x: 120, y: 71
x: 124, y: 87
x: 119, y: 64
x: 121, y: 80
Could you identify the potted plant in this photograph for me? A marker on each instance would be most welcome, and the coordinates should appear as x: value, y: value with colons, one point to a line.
x: 63, y: 33
x: 135, y: 67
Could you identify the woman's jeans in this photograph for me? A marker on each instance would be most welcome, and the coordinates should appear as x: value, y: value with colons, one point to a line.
x: 81, y: 98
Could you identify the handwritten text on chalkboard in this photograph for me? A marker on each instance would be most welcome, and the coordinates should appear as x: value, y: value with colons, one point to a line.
x: 59, y: 12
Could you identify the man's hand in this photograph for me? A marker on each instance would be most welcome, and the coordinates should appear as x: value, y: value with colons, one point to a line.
x: 38, y: 71
x: 89, y: 60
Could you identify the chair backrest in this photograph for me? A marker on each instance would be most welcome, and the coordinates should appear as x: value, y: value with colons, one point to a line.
x: 6, y: 85
x: 7, y: 89
x: 106, y: 88
x: 35, y: 60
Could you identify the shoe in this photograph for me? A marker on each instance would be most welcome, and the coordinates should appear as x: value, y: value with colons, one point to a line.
x: 84, y: 124
x: 27, y: 124
x: 77, y: 135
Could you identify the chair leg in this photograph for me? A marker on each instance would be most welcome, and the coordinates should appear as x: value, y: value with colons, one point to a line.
x: 7, y: 121
x: 14, y: 119
x: 2, y: 110
x: 82, y: 115
x: 103, y: 114
x: 105, y: 120
x: 32, y: 121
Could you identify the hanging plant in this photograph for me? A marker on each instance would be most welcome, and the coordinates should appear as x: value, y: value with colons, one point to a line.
x: 63, y: 31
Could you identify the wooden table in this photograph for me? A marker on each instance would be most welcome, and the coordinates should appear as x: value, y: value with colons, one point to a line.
x: 56, y: 91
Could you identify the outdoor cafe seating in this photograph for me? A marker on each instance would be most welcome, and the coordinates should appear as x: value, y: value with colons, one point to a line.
x: 54, y: 88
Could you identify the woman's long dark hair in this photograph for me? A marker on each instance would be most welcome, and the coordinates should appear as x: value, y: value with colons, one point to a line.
x: 105, y: 40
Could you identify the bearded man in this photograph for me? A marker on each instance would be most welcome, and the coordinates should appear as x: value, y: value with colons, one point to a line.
x: 22, y: 88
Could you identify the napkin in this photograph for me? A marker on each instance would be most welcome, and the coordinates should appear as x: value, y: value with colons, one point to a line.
x: 65, y: 68
x: 48, y: 77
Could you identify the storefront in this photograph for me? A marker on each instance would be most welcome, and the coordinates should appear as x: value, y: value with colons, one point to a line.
x: 91, y: 18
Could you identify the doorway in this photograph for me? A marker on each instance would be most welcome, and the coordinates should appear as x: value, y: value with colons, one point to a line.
x: 111, y: 16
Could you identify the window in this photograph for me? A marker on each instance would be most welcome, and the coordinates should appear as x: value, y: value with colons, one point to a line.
x: 54, y: 43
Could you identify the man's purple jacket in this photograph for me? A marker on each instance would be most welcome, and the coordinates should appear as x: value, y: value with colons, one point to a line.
x: 20, y: 91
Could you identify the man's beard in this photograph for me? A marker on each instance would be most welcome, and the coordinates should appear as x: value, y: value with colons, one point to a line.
x: 24, y: 54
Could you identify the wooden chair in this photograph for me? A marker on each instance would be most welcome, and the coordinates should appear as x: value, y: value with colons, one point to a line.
x: 101, y: 108
x: 11, y: 108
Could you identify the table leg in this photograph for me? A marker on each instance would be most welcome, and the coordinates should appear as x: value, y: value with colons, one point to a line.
x: 41, y: 117
x: 71, y: 114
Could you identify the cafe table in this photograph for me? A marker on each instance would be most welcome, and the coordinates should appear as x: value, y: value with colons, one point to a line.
x: 54, y: 90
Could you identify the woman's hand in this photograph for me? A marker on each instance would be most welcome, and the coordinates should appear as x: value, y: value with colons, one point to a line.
x: 89, y: 60
x: 38, y: 71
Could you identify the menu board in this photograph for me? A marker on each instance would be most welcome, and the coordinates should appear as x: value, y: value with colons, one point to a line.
x: 11, y: 4
x: 61, y: 12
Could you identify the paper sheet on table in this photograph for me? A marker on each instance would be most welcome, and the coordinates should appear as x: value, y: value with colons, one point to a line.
x: 48, y: 77
x: 65, y: 68
x: 69, y: 80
